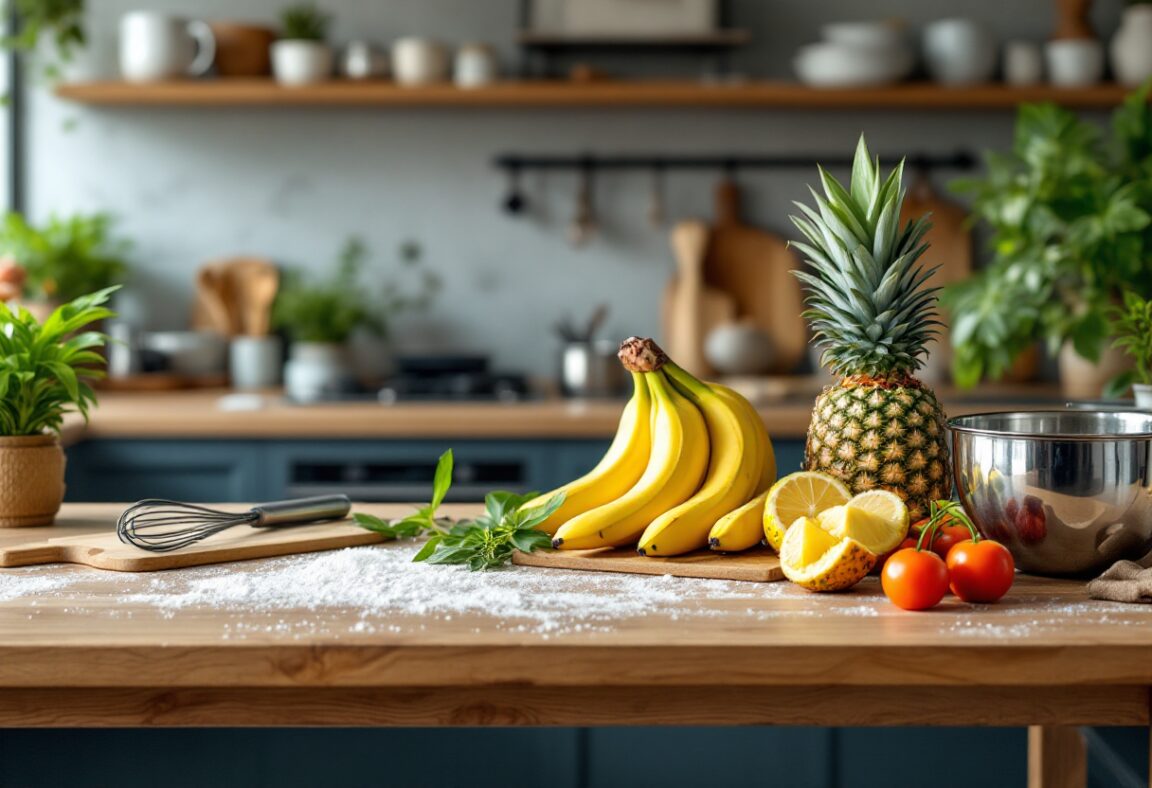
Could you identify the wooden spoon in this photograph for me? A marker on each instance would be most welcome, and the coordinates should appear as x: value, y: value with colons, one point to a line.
x: 210, y: 312
x: 253, y: 286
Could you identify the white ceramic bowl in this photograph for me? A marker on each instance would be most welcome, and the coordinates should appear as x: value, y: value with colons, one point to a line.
x: 190, y: 352
x: 880, y: 35
x: 832, y: 65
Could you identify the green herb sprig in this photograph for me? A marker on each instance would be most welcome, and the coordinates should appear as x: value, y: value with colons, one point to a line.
x: 1131, y: 324
x: 484, y: 543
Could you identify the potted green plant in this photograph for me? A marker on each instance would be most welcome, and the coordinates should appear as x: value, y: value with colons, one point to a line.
x: 1131, y: 325
x: 63, y: 258
x: 320, y: 316
x: 302, y: 55
x: 45, y: 371
x: 1071, y: 218
x: 50, y: 31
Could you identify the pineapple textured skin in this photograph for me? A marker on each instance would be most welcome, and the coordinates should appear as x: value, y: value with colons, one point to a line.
x: 873, y: 433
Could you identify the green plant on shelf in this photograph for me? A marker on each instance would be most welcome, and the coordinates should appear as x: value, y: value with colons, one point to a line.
x: 65, y: 257
x: 46, y: 368
x: 1131, y: 325
x: 304, y: 22
x: 60, y: 23
x: 1070, y: 211
x: 329, y: 311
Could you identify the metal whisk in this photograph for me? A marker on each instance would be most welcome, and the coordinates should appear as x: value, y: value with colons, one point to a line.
x: 161, y: 526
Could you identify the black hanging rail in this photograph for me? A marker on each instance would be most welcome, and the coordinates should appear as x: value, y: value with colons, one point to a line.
x: 515, y: 162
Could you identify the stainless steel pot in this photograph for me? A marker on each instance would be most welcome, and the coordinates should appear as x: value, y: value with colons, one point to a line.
x: 591, y: 369
x: 1068, y: 492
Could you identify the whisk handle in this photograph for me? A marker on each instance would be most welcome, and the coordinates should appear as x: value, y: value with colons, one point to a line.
x: 302, y: 510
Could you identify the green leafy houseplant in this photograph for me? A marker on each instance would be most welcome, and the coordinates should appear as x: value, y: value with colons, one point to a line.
x: 46, y: 368
x: 330, y: 311
x: 1071, y: 217
x: 60, y: 22
x: 1131, y: 325
x: 304, y: 22
x: 66, y: 257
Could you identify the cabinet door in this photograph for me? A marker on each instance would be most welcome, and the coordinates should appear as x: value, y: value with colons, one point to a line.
x: 183, y: 470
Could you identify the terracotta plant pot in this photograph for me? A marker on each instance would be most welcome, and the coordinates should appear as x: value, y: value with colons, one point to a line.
x: 31, y: 480
x: 242, y: 50
x: 1026, y: 367
x: 1084, y: 379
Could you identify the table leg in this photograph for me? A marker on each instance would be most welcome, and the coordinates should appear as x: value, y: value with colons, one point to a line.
x: 1057, y: 757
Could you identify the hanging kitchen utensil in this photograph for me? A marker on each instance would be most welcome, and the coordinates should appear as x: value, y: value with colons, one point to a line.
x: 691, y: 309
x: 754, y: 268
x: 253, y: 284
x: 657, y: 212
x: 514, y: 202
x: 584, y: 221
x: 161, y: 526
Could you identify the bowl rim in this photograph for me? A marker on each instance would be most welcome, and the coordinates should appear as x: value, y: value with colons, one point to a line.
x: 1062, y: 436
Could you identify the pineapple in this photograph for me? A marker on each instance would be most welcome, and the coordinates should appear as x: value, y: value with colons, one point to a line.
x: 871, y: 315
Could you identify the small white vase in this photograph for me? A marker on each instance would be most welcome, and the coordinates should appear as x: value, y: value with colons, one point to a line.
x: 1131, y: 48
x: 1074, y: 62
x: 1143, y: 394
x: 315, y: 371
x: 296, y: 62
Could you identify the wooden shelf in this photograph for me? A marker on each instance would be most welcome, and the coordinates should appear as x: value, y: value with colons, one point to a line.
x: 719, y: 39
x: 758, y: 94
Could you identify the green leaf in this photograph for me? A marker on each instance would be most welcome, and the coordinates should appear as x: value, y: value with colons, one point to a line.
x: 442, y: 480
x: 428, y: 549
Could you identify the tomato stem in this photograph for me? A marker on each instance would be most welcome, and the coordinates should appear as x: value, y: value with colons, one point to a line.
x: 938, y: 512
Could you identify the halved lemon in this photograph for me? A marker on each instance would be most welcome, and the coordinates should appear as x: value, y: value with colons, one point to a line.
x: 814, y: 559
x: 877, y: 519
x: 802, y: 494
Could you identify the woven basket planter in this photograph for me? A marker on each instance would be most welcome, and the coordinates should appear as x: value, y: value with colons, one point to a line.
x: 31, y: 480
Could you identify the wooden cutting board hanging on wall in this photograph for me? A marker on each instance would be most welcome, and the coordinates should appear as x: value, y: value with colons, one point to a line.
x: 754, y: 268
x: 692, y: 309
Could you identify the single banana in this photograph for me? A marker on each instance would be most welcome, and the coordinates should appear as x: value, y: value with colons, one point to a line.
x: 675, y: 469
x: 733, y: 471
x: 618, y: 470
x: 743, y: 528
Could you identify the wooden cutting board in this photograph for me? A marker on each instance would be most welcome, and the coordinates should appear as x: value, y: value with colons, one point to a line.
x: 106, y: 551
x: 759, y: 565
x: 754, y: 267
x: 692, y: 309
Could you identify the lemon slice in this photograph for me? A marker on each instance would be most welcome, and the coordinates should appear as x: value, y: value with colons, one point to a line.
x: 814, y: 559
x: 877, y: 519
x: 803, y: 494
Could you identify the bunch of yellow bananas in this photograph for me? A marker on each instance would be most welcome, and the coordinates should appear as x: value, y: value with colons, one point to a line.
x: 689, y: 467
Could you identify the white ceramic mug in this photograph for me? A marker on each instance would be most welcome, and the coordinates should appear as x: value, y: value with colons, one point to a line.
x: 155, y: 46
x: 255, y: 362
x: 419, y: 61
x: 959, y: 52
x: 476, y: 65
x: 1023, y: 63
x: 1075, y: 62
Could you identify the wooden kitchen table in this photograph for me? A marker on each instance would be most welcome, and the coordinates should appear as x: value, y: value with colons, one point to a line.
x: 79, y: 648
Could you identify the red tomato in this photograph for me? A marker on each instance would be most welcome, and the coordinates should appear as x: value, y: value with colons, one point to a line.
x: 908, y: 542
x: 950, y: 532
x: 981, y: 571
x: 915, y: 579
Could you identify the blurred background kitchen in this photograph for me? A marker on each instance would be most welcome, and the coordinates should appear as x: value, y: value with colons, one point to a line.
x: 430, y: 222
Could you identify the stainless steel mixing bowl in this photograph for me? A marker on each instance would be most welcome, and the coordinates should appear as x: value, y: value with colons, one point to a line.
x: 1066, y: 491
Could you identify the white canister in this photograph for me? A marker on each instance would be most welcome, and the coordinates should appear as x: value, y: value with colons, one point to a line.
x: 419, y: 61
x: 315, y: 371
x: 476, y: 65
x: 255, y: 362
x: 155, y: 46
x: 1074, y: 62
x: 1023, y: 63
x: 1143, y: 394
x: 959, y: 52
x: 361, y: 60
x: 1131, y: 49
x: 298, y: 62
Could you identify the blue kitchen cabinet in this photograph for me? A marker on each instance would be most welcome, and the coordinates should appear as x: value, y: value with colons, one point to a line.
x: 183, y: 470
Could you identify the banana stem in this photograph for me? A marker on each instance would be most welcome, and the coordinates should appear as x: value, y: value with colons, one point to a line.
x: 639, y: 354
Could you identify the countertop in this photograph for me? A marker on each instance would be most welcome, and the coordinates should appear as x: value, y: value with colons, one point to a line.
x: 364, y: 637
x: 196, y: 414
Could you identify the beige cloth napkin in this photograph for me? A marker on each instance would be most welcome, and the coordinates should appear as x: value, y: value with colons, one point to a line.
x: 1124, y: 581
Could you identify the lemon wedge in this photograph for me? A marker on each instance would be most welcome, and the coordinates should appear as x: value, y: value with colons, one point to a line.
x: 877, y: 519
x: 816, y: 560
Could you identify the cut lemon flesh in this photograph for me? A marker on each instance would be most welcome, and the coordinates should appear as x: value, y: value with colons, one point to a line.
x: 802, y: 494
x: 816, y: 560
x: 876, y: 519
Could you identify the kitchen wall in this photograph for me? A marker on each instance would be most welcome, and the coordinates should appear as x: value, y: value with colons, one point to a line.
x: 191, y: 184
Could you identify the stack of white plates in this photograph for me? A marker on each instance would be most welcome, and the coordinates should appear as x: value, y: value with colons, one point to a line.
x: 856, y: 54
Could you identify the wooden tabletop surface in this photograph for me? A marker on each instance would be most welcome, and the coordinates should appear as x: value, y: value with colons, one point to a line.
x: 197, y: 414
x: 557, y: 641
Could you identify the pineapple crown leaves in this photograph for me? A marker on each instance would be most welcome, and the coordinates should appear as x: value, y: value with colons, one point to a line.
x: 868, y: 306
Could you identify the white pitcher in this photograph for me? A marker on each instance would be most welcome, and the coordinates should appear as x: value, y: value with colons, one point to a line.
x: 155, y: 46
x: 1131, y: 48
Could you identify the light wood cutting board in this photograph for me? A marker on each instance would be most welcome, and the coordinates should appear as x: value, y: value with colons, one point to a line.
x: 758, y: 565
x: 691, y: 308
x: 754, y: 268
x: 106, y: 551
